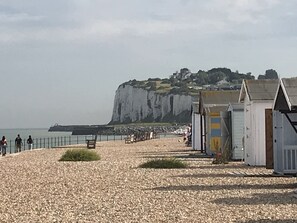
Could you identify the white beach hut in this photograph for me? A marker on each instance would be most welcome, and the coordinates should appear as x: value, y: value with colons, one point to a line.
x: 257, y: 95
x: 237, y: 130
x: 285, y: 127
x: 197, y: 127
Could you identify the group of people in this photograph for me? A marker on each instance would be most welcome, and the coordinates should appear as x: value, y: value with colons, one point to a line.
x: 18, y: 144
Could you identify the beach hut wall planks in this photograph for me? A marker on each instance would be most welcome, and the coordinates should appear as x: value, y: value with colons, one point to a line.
x: 197, y: 128
x: 257, y: 95
x: 285, y: 127
x: 210, y: 125
x: 237, y: 130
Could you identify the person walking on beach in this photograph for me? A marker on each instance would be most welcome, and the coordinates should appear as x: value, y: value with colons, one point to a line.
x: 18, y: 143
x: 30, y: 142
x: 3, y: 144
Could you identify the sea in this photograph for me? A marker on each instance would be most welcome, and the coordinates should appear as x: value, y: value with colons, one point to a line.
x: 36, y: 133
x: 42, y: 138
x: 43, y: 133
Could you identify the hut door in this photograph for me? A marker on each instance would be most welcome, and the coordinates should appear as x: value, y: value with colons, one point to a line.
x: 248, y: 141
x: 215, y: 132
x: 225, y: 132
x: 278, y: 146
x: 269, y: 138
x: 196, y: 131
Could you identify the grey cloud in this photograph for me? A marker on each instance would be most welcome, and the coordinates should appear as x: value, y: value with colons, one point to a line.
x: 61, y: 44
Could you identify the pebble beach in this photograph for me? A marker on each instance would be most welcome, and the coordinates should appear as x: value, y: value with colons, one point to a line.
x: 36, y: 187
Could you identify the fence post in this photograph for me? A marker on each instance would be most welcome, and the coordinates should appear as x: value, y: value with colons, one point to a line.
x: 10, y: 146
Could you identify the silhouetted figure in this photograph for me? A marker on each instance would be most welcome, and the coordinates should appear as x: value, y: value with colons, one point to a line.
x: 18, y: 143
x: 30, y: 142
x: 3, y: 144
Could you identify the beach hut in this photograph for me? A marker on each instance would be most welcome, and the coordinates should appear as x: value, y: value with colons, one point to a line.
x: 285, y: 127
x: 257, y: 95
x: 237, y: 130
x: 197, y: 128
x: 211, y: 126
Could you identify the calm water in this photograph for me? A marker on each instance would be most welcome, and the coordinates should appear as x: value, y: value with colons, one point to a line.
x: 11, y: 134
x: 44, y: 139
x: 41, y: 133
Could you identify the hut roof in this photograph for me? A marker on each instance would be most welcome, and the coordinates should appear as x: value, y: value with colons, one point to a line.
x: 286, y: 97
x: 219, y: 99
x: 236, y: 107
x: 258, y: 90
x: 216, y: 109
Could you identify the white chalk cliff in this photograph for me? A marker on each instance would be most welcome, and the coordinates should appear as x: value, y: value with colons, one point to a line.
x: 133, y: 104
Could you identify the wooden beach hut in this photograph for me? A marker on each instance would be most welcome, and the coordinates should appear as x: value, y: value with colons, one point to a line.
x: 211, y: 123
x: 236, y: 111
x: 257, y: 95
x: 197, y: 127
x: 285, y: 127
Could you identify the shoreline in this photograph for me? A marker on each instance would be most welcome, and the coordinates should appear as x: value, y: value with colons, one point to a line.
x: 116, y: 129
x: 36, y: 187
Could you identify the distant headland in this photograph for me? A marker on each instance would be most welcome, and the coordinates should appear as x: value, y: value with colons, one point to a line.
x: 170, y: 99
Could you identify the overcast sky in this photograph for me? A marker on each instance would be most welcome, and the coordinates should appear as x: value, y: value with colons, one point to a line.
x: 61, y: 61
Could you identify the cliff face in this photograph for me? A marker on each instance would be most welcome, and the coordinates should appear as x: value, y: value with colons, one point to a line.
x: 136, y: 104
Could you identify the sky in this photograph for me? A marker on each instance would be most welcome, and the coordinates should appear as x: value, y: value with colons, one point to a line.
x: 61, y: 61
